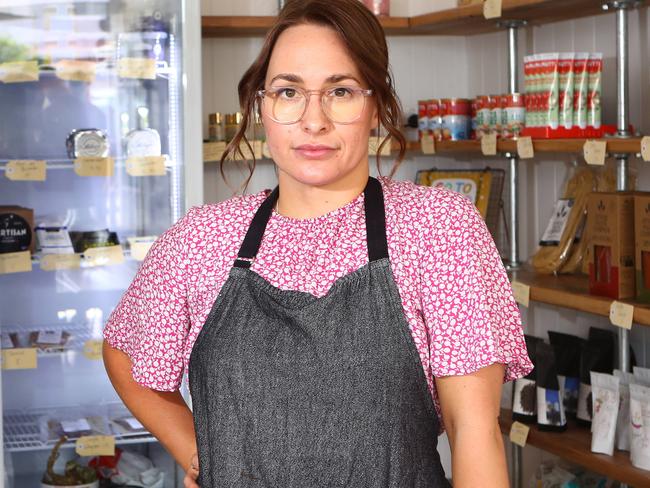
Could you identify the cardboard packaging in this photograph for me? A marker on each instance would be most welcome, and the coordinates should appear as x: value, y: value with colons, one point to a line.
x: 16, y: 229
x: 610, y: 230
x: 642, y: 244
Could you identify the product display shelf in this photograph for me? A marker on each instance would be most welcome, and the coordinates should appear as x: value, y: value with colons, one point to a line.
x: 465, y: 20
x: 571, y: 292
x: 79, y: 336
x: 630, y: 145
x: 574, y: 445
x: 69, y: 164
x: 22, y: 431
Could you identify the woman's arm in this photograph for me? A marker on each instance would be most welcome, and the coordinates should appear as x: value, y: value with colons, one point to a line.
x: 470, y: 408
x: 164, y: 414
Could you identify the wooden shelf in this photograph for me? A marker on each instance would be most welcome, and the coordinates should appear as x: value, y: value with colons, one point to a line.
x: 460, y: 21
x: 571, y: 291
x: 574, y: 445
x: 614, y: 146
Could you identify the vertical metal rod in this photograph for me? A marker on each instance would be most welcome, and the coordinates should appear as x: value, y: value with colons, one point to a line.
x: 622, y: 71
x: 517, y: 471
x: 513, y: 58
x: 513, y: 166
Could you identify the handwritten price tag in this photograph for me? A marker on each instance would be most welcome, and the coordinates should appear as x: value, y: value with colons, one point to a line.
x: 146, y: 166
x: 19, y: 71
x: 56, y: 262
x: 492, y: 9
x: 489, y: 144
x: 428, y: 144
x: 104, y: 256
x: 595, y: 152
x: 15, y: 262
x: 525, y: 148
x: 76, y: 70
x: 26, y: 170
x: 521, y: 293
x: 94, y: 167
x: 137, y: 68
x: 19, y: 359
x: 621, y: 314
x: 519, y: 433
x: 93, y: 349
x: 95, y: 445
x: 140, y: 246
x: 645, y: 148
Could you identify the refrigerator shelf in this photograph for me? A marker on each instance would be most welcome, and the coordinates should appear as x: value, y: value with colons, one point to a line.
x: 79, y: 337
x: 68, y: 164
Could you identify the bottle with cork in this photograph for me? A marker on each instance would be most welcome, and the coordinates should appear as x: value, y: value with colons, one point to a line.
x: 216, y: 129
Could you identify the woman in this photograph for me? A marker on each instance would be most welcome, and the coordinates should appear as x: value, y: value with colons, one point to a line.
x: 332, y: 327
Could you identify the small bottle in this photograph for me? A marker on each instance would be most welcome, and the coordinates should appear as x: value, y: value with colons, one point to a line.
x: 143, y: 141
x: 216, y: 130
x: 231, y: 127
x: 258, y: 129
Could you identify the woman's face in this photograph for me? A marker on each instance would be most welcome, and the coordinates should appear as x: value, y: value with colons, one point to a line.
x: 316, y: 151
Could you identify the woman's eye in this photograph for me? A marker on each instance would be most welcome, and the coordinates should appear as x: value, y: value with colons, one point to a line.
x: 340, y: 92
x: 287, y: 92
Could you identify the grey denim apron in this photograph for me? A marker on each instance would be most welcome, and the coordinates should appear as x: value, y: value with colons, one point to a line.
x: 290, y: 390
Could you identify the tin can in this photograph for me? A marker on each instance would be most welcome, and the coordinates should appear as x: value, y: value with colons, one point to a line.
x: 435, y: 119
x: 423, y: 119
x: 483, y: 116
x: 474, y: 117
x: 494, y: 102
x: 456, y: 121
x: 515, y: 115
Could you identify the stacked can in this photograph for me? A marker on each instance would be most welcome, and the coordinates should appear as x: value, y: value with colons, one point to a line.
x: 423, y: 118
x: 456, y: 119
x: 435, y: 119
x: 503, y: 115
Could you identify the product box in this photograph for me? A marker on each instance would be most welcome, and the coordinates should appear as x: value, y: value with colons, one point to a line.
x: 16, y: 229
x: 642, y: 244
x: 610, y: 233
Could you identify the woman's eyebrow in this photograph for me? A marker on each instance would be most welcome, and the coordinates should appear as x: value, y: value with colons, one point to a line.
x: 290, y: 77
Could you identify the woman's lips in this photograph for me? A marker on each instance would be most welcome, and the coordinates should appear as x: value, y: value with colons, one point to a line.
x: 309, y: 151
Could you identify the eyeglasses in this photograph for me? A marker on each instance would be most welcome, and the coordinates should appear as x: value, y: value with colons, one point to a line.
x: 288, y: 105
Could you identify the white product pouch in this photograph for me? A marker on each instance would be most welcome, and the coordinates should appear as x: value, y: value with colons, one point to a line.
x: 606, y: 397
x: 640, y: 426
x: 642, y: 376
x: 623, y: 422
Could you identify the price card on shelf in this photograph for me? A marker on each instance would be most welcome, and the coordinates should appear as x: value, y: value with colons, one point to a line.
x: 76, y: 70
x: 519, y: 433
x: 93, y: 349
x: 645, y: 148
x: 79, y: 425
x: 95, y: 445
x: 146, y: 166
x: 49, y: 337
x: 521, y: 293
x: 492, y: 9
x: 621, y: 314
x: 489, y: 144
x: 15, y: 262
x: 212, y: 151
x: 373, y: 146
x: 428, y: 144
x: 595, y: 152
x: 140, y: 246
x: 525, y: 147
x: 26, y: 170
x: 19, y: 71
x: 137, y: 68
x: 104, y: 256
x: 94, y: 166
x: 56, y: 262
x: 22, y: 358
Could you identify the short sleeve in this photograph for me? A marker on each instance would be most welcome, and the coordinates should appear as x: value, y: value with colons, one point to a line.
x: 151, y: 321
x: 468, y: 307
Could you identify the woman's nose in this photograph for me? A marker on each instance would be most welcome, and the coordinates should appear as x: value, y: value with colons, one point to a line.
x: 315, y: 120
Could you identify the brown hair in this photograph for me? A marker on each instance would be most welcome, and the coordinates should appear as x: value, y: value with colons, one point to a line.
x: 366, y: 42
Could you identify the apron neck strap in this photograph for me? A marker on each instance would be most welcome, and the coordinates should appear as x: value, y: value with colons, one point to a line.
x: 375, y: 225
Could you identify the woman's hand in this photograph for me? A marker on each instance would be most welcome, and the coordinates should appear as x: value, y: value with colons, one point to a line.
x: 192, y: 473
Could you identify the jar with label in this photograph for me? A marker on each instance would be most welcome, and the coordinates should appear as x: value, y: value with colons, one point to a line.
x: 216, y: 129
x: 456, y: 123
x: 484, y: 115
x: 515, y: 115
x: 87, y: 143
x: 143, y: 141
x: 495, y: 114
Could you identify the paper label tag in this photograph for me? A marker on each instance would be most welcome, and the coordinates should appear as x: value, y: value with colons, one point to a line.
x: 595, y: 152
x: 645, y: 148
x: 489, y: 144
x: 104, y: 256
x: 373, y: 146
x: 428, y: 144
x: 521, y: 293
x: 26, y: 170
x: 492, y: 9
x: 96, y: 445
x: 15, y: 262
x: 134, y: 423
x: 212, y: 151
x: 140, y: 246
x: 49, y: 337
x: 552, y: 236
x: 7, y: 343
x: 621, y: 314
x: 19, y: 71
x: 56, y: 262
x: 72, y: 426
x: 525, y: 148
x: 93, y: 349
x: 137, y: 68
x: 22, y: 358
x: 76, y: 70
x: 94, y: 166
x: 519, y: 433
x: 146, y: 166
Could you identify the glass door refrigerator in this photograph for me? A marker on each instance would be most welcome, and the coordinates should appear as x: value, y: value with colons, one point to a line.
x: 97, y: 153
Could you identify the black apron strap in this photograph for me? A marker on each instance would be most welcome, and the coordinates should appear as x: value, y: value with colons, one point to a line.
x: 375, y: 225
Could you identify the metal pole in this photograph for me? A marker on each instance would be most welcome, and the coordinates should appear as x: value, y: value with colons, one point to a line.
x: 622, y: 71
x: 517, y: 471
